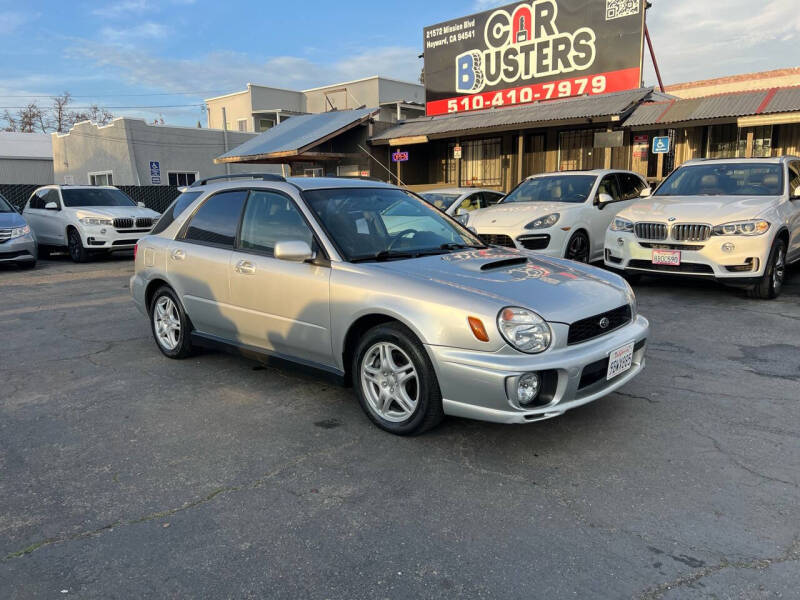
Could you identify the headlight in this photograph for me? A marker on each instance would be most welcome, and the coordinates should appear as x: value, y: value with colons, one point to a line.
x: 524, y: 330
x: 20, y: 231
x: 463, y: 219
x: 544, y: 222
x: 631, y: 297
x: 96, y: 221
x: 755, y: 227
x: 619, y: 224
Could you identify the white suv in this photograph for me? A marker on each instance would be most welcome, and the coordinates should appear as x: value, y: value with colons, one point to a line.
x: 86, y: 219
x: 734, y: 220
x: 559, y: 214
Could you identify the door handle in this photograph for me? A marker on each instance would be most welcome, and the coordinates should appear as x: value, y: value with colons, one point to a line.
x: 245, y: 267
x: 178, y: 255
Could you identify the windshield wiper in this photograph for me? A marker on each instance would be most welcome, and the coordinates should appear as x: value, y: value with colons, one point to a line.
x: 384, y: 255
x: 453, y: 246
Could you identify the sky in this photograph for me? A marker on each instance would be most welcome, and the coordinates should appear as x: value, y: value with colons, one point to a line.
x: 161, y: 58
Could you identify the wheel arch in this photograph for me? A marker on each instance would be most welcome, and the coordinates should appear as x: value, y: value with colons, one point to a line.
x: 151, y: 288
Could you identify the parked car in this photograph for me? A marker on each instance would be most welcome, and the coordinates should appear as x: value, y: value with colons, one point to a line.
x: 86, y: 219
x: 17, y: 243
x: 459, y: 202
x: 559, y: 214
x: 733, y: 220
x: 423, y: 321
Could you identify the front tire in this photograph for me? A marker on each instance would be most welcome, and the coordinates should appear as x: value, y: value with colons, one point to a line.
x: 395, y: 381
x: 170, y: 326
x: 77, y: 252
x: 771, y: 283
x: 578, y: 247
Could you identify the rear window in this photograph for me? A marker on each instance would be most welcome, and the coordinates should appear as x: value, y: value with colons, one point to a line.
x: 216, y: 221
x: 175, y: 210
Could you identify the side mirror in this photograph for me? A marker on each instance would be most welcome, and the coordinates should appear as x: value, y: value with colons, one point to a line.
x: 51, y: 206
x: 294, y: 251
x: 646, y: 192
x: 141, y: 205
x: 603, y: 199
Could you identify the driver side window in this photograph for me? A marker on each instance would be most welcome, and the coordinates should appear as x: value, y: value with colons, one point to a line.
x: 609, y: 186
x: 471, y: 202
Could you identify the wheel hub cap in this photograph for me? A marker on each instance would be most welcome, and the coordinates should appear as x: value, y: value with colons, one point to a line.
x: 167, y: 322
x: 390, y: 382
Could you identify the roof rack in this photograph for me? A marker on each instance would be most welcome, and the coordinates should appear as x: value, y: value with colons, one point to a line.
x: 261, y: 176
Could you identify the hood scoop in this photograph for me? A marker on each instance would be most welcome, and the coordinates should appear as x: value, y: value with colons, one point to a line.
x: 502, y: 264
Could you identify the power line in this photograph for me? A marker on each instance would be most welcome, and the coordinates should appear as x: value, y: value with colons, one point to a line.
x: 182, y: 93
x: 195, y: 105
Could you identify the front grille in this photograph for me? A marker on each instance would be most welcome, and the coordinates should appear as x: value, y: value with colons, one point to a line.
x: 587, y: 329
x: 684, y: 247
x: 144, y: 222
x: 534, y: 242
x: 124, y: 223
x: 691, y: 233
x: 650, y: 231
x: 5, y: 234
x: 597, y: 371
x: 124, y: 242
x: 646, y: 265
x: 491, y: 239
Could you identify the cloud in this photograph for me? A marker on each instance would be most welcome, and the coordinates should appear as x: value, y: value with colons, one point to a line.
x: 127, y: 35
x: 126, y: 7
x: 11, y: 21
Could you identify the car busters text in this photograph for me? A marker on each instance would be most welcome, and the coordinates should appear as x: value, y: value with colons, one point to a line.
x: 518, y: 54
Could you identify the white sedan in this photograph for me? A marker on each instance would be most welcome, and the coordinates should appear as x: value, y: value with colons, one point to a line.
x: 559, y: 214
x: 459, y: 202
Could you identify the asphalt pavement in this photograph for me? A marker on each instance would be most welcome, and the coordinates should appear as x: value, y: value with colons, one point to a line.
x: 127, y: 475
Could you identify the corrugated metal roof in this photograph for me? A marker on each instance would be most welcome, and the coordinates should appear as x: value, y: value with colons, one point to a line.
x: 14, y: 144
x: 733, y: 105
x: 298, y: 133
x: 556, y: 110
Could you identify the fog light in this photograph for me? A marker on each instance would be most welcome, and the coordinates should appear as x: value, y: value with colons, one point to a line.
x: 528, y: 388
x: 620, y: 242
x: 728, y: 247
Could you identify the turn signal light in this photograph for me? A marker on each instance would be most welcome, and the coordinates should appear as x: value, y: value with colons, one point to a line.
x: 478, y: 330
x: 135, y: 250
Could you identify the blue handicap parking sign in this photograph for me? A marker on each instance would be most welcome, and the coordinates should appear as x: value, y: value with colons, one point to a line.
x: 661, y: 145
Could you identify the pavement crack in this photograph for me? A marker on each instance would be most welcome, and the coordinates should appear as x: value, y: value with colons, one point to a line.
x: 790, y: 555
x: 635, y: 397
x: 221, y: 491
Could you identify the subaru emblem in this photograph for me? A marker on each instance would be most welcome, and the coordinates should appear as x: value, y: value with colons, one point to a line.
x: 604, y: 323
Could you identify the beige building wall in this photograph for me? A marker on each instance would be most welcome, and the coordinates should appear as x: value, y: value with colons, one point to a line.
x: 737, y: 83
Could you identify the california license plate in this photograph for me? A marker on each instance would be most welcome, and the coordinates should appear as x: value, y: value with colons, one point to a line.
x: 667, y: 257
x: 619, y: 361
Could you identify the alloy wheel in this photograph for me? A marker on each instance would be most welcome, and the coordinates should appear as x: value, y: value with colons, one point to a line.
x: 167, y: 323
x: 390, y: 382
x: 779, y: 270
x: 578, y: 249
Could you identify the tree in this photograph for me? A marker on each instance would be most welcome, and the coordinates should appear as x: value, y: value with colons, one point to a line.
x: 61, y: 114
x: 95, y: 114
x: 58, y: 117
x: 32, y: 118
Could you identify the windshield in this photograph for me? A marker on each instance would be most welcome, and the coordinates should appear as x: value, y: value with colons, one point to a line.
x: 5, y: 207
x: 559, y: 188
x: 724, y: 179
x: 95, y: 197
x: 440, y: 201
x: 381, y: 224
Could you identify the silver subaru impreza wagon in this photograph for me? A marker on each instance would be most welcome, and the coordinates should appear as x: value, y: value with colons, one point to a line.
x: 368, y: 282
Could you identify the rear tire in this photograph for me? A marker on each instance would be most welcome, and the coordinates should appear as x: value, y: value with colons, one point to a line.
x: 170, y: 326
x: 77, y: 252
x: 771, y: 283
x: 395, y: 382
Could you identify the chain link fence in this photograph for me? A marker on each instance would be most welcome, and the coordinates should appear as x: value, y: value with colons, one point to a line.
x: 156, y: 197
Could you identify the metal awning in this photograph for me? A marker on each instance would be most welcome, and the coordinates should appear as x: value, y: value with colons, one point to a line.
x: 760, y: 106
x: 600, y: 109
x: 295, y: 138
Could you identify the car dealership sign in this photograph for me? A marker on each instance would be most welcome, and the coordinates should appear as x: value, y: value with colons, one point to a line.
x: 531, y: 51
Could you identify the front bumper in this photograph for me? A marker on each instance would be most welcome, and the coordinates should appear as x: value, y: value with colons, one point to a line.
x: 21, y: 249
x: 96, y: 237
x: 474, y: 384
x: 533, y: 240
x: 746, y: 260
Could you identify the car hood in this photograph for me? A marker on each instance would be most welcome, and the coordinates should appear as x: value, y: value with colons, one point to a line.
x: 115, y: 211
x: 559, y: 290
x: 11, y: 220
x: 517, y: 214
x: 714, y: 210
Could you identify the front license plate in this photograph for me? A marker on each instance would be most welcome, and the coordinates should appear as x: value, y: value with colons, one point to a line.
x: 621, y: 360
x: 667, y: 257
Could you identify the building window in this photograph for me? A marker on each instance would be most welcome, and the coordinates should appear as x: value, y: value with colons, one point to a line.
x: 264, y: 124
x: 101, y: 178
x: 576, y: 151
x: 242, y: 124
x: 480, y: 163
x: 181, y: 179
x: 762, y: 141
x: 723, y: 141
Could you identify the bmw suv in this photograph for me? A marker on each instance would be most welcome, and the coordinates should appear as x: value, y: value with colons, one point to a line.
x: 86, y: 220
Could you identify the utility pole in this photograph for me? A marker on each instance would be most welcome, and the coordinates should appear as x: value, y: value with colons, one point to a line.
x: 225, y: 138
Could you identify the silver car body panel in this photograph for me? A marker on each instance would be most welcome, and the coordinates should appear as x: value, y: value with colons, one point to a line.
x: 303, y: 311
